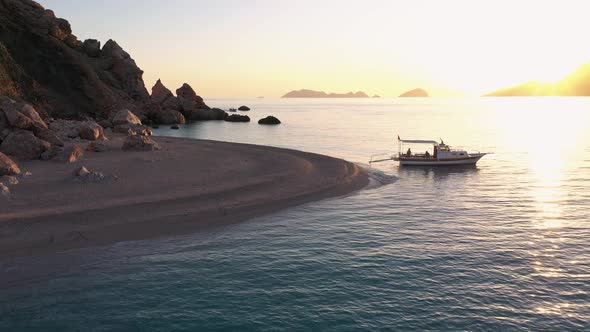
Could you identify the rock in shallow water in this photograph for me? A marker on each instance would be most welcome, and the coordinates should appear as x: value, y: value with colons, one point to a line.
x: 269, y: 120
x: 237, y: 118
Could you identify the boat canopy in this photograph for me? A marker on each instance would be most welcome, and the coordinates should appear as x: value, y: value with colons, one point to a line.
x: 417, y: 141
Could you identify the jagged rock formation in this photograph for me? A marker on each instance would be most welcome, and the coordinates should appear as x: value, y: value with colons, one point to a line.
x: 304, y: 93
x: 576, y: 84
x: 42, y: 62
x: 415, y: 93
x: 165, y: 108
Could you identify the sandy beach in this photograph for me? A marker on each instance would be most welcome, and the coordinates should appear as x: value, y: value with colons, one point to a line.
x: 186, y: 186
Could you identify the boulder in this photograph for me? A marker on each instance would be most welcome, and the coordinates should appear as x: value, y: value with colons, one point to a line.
x: 243, y: 108
x: 4, y: 190
x: 30, y: 112
x: 167, y: 117
x: 20, y: 116
x: 140, y: 143
x: 69, y: 154
x: 91, y: 131
x: 237, y: 118
x: 8, y: 166
x: 47, y: 135
x: 91, y: 47
x: 269, y: 120
x: 176, y: 127
x: 125, y: 117
x: 23, y: 144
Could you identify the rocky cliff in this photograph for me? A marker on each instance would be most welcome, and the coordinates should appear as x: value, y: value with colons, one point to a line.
x: 43, y: 63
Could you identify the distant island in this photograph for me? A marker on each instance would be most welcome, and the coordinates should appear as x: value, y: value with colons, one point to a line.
x: 576, y: 84
x: 305, y: 93
x: 415, y: 93
x: 376, y: 96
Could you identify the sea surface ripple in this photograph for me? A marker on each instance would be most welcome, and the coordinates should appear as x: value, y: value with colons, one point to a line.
x: 500, y: 247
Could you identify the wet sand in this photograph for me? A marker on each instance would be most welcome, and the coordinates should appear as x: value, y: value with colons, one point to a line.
x: 187, y: 186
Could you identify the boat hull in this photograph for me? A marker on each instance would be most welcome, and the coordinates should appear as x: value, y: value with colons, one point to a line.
x: 436, y: 162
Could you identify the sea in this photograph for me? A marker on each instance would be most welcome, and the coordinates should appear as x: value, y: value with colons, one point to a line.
x: 503, y: 246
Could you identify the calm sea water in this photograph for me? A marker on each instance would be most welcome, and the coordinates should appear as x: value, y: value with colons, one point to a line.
x: 503, y: 246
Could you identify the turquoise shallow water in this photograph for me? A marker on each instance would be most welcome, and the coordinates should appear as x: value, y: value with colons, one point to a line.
x: 500, y: 247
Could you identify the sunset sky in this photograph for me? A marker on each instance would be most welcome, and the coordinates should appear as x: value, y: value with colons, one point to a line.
x: 241, y: 48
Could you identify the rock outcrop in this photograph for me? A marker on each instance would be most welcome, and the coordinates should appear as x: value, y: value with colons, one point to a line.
x: 189, y: 101
x: 237, y: 118
x: 168, y: 117
x: 42, y: 62
x: 269, y: 120
x: 243, y: 108
x: 163, y: 97
x: 168, y: 109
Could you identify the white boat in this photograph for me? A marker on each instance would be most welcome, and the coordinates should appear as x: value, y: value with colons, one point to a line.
x: 442, y: 155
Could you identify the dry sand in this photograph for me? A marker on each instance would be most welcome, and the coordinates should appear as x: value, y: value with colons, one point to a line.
x: 187, y: 186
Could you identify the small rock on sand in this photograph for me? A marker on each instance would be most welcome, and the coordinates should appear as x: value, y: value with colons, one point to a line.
x: 4, y: 191
x: 82, y: 174
x: 8, y: 166
x: 12, y: 180
x: 140, y: 143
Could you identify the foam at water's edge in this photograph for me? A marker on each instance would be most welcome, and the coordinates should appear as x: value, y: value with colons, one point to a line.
x: 377, y: 178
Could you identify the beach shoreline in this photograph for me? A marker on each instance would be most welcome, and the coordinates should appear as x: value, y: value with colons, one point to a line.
x: 189, y: 185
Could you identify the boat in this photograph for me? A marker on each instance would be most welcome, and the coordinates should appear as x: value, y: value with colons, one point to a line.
x: 442, y: 155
